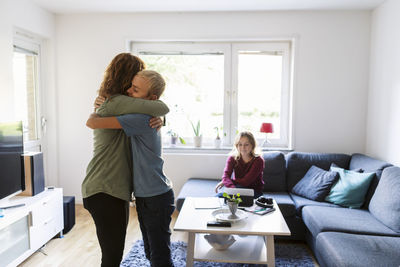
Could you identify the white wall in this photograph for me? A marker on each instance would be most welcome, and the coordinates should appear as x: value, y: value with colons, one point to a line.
x: 383, y: 129
x: 330, y: 99
x: 25, y: 15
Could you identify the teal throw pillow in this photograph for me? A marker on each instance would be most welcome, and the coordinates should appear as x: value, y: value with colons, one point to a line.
x: 350, y: 189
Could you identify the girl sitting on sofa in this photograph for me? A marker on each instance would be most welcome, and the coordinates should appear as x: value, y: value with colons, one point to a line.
x: 246, y: 166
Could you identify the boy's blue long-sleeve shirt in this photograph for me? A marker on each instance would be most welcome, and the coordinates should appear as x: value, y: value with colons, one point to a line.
x: 148, y: 175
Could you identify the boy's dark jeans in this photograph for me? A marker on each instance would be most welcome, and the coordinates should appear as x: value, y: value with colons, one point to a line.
x: 110, y: 215
x: 154, y: 215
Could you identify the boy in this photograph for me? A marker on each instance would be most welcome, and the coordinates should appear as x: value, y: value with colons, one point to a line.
x: 152, y: 189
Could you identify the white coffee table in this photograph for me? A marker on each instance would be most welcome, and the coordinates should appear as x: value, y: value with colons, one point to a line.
x: 255, y: 245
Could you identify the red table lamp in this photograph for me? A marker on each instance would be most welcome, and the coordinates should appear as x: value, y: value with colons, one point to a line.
x: 266, y: 127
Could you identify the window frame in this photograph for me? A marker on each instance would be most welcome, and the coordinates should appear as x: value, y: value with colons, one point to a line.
x: 230, y: 49
x: 30, y: 44
x: 283, y: 47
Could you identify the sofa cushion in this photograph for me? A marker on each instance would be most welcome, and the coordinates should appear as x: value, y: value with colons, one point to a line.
x: 345, y: 250
x: 354, y: 170
x: 385, y: 203
x: 358, y: 221
x: 350, y: 189
x: 196, y: 187
x: 274, y: 175
x: 285, y: 202
x: 298, y: 163
x: 316, y: 184
x: 301, y: 202
x: 368, y: 164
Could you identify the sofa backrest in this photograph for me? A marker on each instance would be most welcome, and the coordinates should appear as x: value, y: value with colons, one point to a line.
x: 274, y: 172
x: 385, y: 203
x: 368, y: 164
x: 298, y: 163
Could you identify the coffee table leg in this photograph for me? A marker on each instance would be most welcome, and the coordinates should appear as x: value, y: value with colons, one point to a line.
x: 190, y: 250
x: 269, y: 244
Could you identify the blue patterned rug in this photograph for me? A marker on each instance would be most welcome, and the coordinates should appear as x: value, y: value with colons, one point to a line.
x: 286, y: 254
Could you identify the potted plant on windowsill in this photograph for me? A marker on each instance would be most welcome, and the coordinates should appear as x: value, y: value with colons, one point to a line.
x: 233, y: 202
x: 217, y: 141
x: 175, y: 137
x: 197, y: 135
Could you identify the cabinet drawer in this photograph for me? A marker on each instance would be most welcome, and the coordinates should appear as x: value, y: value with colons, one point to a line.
x: 41, y: 234
x: 45, y: 210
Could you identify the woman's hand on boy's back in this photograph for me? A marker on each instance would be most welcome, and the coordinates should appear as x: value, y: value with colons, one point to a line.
x: 98, y: 101
x: 156, y: 122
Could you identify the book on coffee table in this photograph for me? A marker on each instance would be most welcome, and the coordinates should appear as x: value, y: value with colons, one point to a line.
x: 207, y: 202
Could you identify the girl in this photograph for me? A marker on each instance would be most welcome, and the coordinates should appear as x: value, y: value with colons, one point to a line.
x: 107, y: 187
x: 246, y: 166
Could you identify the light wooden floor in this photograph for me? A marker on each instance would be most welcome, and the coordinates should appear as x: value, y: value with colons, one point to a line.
x: 79, y: 247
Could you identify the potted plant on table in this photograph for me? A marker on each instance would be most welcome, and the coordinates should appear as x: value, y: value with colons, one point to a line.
x: 233, y: 202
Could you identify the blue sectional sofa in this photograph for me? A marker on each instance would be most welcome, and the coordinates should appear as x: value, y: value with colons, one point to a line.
x: 338, y: 236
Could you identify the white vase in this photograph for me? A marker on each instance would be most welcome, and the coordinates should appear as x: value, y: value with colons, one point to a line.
x: 217, y: 143
x: 197, y: 141
x: 232, y: 205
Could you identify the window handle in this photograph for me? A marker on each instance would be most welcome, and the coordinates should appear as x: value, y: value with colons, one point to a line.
x: 43, y: 123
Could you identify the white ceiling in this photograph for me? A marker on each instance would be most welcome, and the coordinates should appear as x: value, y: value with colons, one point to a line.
x: 108, y: 6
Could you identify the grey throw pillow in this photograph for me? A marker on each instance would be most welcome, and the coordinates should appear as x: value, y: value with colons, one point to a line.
x: 316, y: 184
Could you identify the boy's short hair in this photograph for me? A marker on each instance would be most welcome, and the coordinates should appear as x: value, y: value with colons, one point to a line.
x: 157, y: 82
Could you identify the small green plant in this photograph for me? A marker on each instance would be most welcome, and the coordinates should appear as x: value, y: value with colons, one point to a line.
x: 196, y: 129
x: 217, y: 130
x: 232, y: 198
x: 175, y: 135
x: 172, y: 133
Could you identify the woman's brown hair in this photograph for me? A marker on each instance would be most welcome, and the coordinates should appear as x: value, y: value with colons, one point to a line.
x: 119, y: 74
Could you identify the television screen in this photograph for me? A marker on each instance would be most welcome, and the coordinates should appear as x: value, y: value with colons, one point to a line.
x: 11, y: 162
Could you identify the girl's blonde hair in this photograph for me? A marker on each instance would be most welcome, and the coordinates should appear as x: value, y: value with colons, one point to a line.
x: 235, y: 152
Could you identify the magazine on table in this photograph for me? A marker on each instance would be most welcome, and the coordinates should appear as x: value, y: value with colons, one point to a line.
x: 259, y: 210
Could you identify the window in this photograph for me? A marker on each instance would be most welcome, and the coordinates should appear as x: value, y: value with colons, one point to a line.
x: 228, y: 87
x: 26, y: 90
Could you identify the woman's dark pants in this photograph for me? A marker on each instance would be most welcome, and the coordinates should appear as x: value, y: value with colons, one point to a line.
x: 110, y: 215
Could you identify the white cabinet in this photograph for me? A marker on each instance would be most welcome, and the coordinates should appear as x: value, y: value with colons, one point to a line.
x: 25, y: 229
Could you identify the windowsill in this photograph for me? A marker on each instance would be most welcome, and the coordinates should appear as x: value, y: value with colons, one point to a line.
x: 212, y: 150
